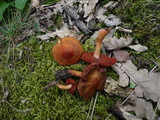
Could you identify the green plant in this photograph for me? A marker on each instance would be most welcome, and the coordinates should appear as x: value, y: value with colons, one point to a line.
x: 11, y: 27
x: 20, y: 4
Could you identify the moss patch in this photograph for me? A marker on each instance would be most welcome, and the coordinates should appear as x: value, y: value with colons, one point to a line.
x: 25, y: 76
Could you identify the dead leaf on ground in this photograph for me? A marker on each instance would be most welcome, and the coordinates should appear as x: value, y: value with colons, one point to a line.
x: 60, y: 33
x: 89, y: 8
x: 149, y: 83
x: 35, y: 3
x: 112, y: 88
x: 121, y: 113
x: 123, y: 80
x: 112, y: 43
x: 138, y: 48
x: 123, y: 29
x: 142, y: 108
x: 121, y: 55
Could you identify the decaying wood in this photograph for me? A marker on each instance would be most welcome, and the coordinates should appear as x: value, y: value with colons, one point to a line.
x: 76, y: 19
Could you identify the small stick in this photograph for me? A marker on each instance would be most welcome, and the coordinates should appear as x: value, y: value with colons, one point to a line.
x: 90, y: 108
x: 155, y: 110
x: 94, y: 105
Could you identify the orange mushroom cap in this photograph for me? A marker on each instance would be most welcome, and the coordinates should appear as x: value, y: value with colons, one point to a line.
x: 68, y: 51
x: 103, y: 60
x: 92, y: 80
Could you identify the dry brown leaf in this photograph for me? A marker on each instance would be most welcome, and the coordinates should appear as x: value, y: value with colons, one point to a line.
x: 142, y: 108
x: 138, y: 48
x: 121, y: 55
x: 123, y: 80
x: 60, y: 33
x: 35, y: 3
x: 148, y: 82
x: 112, y: 43
x: 89, y: 8
x: 112, y: 88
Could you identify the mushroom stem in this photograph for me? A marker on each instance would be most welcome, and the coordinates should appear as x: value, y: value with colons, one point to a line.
x: 59, y: 40
x: 102, y: 33
x: 64, y: 87
x: 75, y: 73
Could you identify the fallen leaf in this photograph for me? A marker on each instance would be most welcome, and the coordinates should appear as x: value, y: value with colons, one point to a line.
x: 112, y: 20
x: 142, y: 108
x: 148, y: 82
x: 138, y: 92
x: 123, y: 80
x: 58, y: 7
x: 35, y: 3
x: 123, y: 29
x: 60, y: 33
x: 112, y: 88
x: 121, y: 55
x: 138, y: 48
x: 122, y: 114
x: 112, y: 43
x: 88, y: 9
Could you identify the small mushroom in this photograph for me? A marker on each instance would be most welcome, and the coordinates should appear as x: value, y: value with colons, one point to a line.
x: 70, y: 85
x: 101, y: 59
x: 67, y: 51
x: 92, y: 79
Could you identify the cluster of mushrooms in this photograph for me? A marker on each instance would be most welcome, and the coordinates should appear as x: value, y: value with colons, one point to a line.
x: 68, y: 51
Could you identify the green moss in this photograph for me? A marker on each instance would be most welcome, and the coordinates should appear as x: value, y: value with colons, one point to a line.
x: 143, y: 18
x: 25, y: 78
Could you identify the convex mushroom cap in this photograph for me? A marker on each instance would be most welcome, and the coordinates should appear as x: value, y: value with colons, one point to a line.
x: 92, y: 80
x: 67, y: 51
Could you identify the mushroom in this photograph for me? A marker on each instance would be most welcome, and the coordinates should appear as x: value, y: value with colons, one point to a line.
x: 70, y: 85
x: 92, y: 79
x: 67, y: 51
x: 101, y: 59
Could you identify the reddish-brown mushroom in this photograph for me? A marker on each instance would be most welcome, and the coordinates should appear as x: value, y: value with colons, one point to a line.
x: 92, y: 79
x: 70, y: 85
x: 67, y: 51
x: 101, y: 59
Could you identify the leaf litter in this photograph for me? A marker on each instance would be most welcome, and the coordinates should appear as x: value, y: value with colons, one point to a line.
x: 148, y: 85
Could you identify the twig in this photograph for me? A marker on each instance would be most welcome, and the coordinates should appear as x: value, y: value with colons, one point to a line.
x: 155, y: 109
x: 121, y: 67
x: 128, y: 97
x: 16, y: 108
x: 90, y: 108
x: 122, y: 103
x: 50, y: 84
x: 109, y: 116
x: 94, y: 105
x: 79, y: 23
x: 8, y: 102
x: 153, y: 69
x: 81, y: 107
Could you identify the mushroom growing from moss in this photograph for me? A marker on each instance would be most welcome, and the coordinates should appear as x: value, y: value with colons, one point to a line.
x: 92, y: 79
x: 70, y: 85
x: 67, y: 51
x: 101, y: 59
